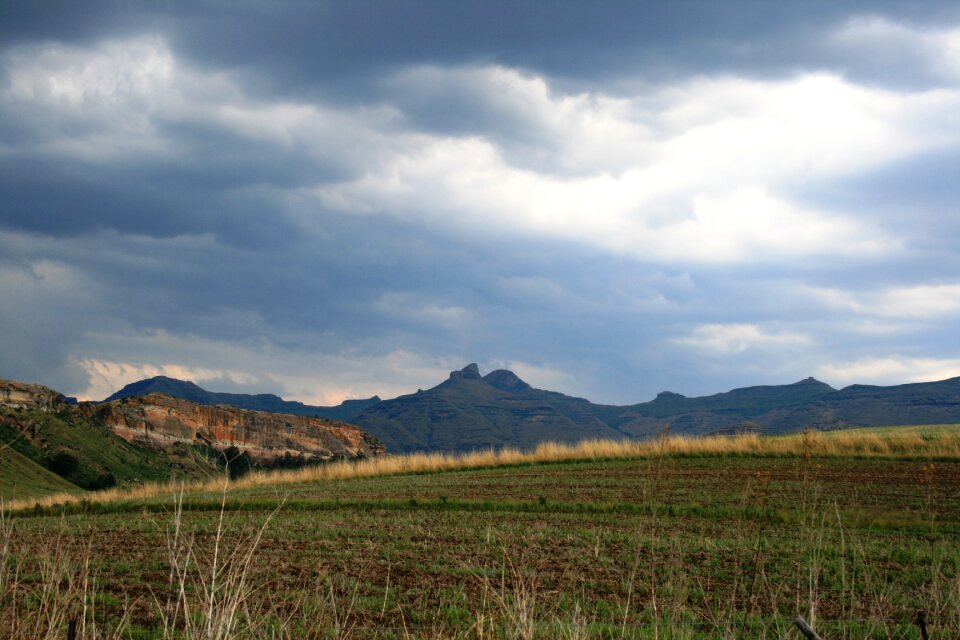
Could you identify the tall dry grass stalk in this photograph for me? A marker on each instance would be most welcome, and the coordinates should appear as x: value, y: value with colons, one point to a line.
x: 209, y: 590
x: 215, y: 590
x: 46, y: 589
x: 941, y: 445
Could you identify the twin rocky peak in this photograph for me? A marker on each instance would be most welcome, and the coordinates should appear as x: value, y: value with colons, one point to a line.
x: 500, y: 379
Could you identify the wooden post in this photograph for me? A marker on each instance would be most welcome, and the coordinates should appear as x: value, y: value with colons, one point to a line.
x: 922, y: 623
x: 805, y: 629
x: 72, y: 630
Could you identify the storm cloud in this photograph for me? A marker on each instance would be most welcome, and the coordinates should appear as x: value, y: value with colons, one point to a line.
x: 333, y: 200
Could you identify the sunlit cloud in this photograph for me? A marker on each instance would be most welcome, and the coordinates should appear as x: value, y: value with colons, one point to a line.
x: 322, y: 378
x: 700, y: 166
x: 726, y: 339
x: 107, y: 377
x: 890, y: 370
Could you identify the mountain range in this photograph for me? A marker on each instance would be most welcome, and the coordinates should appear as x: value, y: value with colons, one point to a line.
x: 159, y: 427
x: 473, y: 411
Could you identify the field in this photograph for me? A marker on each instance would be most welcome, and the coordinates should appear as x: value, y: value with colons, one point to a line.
x: 671, y: 542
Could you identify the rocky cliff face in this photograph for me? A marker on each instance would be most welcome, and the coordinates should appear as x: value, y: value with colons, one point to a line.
x: 157, y: 420
x: 21, y: 395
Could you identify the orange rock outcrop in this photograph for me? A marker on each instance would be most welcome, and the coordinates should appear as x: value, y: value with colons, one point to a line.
x: 157, y: 420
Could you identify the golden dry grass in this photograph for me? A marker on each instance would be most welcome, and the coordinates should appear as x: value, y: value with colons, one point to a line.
x: 944, y: 443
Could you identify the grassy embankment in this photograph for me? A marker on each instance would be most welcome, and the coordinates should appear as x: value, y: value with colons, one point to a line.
x: 926, y: 442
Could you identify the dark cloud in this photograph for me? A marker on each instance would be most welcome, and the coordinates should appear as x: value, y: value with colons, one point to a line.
x: 301, y: 47
x: 208, y: 226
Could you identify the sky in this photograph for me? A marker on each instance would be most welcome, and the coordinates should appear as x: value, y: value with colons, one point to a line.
x: 330, y: 200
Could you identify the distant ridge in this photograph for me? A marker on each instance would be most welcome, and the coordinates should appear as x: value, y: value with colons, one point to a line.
x: 473, y: 411
x: 186, y: 390
x: 470, y: 411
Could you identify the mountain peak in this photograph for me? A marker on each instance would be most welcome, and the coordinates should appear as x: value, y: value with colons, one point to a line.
x: 469, y: 372
x: 160, y: 384
x: 670, y: 395
x: 506, y: 381
x: 811, y: 382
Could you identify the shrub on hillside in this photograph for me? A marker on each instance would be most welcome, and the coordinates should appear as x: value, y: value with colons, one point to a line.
x: 63, y: 463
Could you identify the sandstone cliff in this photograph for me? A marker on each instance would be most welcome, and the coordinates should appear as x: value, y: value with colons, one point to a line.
x: 158, y: 420
x: 21, y: 395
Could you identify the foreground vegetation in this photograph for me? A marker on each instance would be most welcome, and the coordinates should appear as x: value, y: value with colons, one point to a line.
x: 727, y: 537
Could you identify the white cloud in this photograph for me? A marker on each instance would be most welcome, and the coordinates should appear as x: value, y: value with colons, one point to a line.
x: 701, y: 171
x: 580, y: 133
x: 93, y: 104
x: 129, y: 73
x: 748, y: 224
x: 119, y: 99
x: 919, y: 302
x: 728, y: 339
x: 890, y: 370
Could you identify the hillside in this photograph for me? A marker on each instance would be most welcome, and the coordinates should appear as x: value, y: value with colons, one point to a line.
x: 43, y: 428
x: 719, y: 412
x: 48, y: 444
x: 21, y: 477
x: 864, y: 405
x: 255, y: 402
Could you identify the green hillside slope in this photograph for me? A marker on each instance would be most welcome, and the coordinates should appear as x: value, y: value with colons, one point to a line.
x: 21, y: 477
x: 87, y: 454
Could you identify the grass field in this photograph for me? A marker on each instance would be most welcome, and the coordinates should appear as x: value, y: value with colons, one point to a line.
x: 673, y: 541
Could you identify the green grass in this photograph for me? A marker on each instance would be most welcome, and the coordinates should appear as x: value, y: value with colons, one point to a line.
x: 22, y: 477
